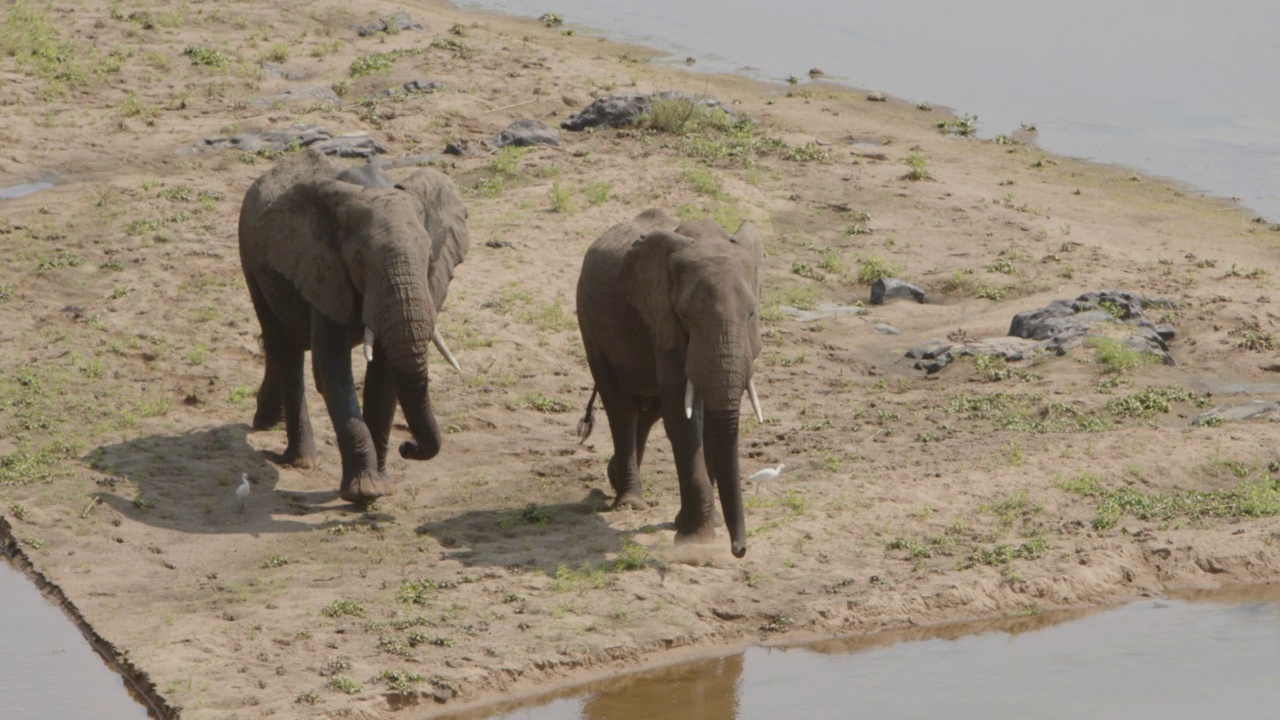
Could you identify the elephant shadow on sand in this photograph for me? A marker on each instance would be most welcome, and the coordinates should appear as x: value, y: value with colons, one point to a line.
x: 533, y: 537
x: 187, y: 482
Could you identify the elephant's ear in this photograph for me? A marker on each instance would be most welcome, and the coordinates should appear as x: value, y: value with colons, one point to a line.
x: 445, y: 218
x: 304, y: 228
x: 646, y: 279
x: 749, y: 238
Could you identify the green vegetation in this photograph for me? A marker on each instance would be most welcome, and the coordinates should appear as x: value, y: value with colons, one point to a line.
x: 340, y: 608
x: 379, y: 62
x: 208, y: 57
x: 416, y: 592
x: 1116, y: 356
x: 872, y: 268
x: 1003, y: 554
x: 344, y: 684
x: 544, y: 404
x: 1146, y: 403
x: 917, y: 167
x: 1251, y: 498
x: 561, y: 199
x: 1025, y: 412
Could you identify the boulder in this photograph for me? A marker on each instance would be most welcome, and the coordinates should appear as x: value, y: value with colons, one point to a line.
x: 626, y: 109
x: 886, y: 289
x: 395, y: 22
x: 527, y: 133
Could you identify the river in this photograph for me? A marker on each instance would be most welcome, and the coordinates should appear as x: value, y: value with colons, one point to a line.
x: 1173, y: 88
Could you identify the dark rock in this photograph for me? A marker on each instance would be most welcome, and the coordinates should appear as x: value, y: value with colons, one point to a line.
x: 885, y: 289
x: 1064, y: 324
x: 624, y: 110
x: 527, y: 132
x: 357, y: 144
x: 930, y: 349
x: 298, y: 136
x: 468, y: 148
x: 414, y: 87
x: 395, y: 22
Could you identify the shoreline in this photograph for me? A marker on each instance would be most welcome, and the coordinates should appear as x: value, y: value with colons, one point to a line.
x: 157, y: 368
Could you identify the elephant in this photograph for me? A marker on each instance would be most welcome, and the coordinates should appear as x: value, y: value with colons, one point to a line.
x: 669, y: 315
x: 333, y: 258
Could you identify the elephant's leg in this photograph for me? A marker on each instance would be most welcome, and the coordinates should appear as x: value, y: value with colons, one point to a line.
x: 620, y: 408
x: 696, y: 520
x: 270, y: 408
x: 362, y: 481
x: 649, y: 414
x: 283, y: 390
x: 379, y: 404
x: 300, y: 446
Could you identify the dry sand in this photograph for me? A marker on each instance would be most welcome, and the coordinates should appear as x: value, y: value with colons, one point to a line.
x: 129, y: 358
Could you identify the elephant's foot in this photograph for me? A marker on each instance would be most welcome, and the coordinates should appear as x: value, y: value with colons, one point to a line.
x: 267, y: 418
x: 703, y: 535
x: 366, y: 487
x: 630, y: 501
x: 302, y: 459
x: 690, y: 528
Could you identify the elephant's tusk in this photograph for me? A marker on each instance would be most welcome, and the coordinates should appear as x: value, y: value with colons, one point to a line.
x: 755, y: 401
x: 368, y: 345
x: 688, y: 399
x: 444, y: 349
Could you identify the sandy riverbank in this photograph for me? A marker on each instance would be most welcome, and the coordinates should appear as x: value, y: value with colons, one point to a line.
x: 129, y: 358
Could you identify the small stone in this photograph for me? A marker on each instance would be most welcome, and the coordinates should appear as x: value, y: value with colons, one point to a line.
x: 527, y: 133
x: 886, y: 329
x: 876, y: 96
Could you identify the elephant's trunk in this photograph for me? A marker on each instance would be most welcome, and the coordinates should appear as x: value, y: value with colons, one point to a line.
x: 406, y: 322
x: 720, y: 437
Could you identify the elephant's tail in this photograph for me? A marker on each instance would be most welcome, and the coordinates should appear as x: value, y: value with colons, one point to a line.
x: 588, y: 421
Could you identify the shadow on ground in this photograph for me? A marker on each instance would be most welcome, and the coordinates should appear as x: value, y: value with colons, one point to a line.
x: 187, y: 482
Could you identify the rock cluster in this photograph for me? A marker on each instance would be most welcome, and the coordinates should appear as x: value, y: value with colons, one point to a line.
x: 626, y: 109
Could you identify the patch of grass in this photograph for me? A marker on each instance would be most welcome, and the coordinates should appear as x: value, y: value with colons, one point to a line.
x: 1116, y: 356
x: 831, y: 262
x: 379, y: 62
x: 808, y: 152
x: 63, y: 258
x: 1259, y: 498
x: 807, y: 270
x: 36, y: 43
x: 507, y: 161
x: 452, y: 44
x: 583, y: 577
x: 1024, y: 412
x: 486, y: 187
x: 344, y: 684
x: 801, y: 298
x: 416, y: 592
x: 632, y: 556
x: 963, y: 126
x: 561, y: 199
x: 400, y: 681
x: 683, y: 116
x: 276, y: 561
x: 340, y: 608
x: 530, y: 513
x: 874, y: 267
x: 705, y: 181
x: 544, y: 404
x: 597, y: 193
x: 1003, y: 554
x: 205, y: 56
x: 1012, y: 508
x: 917, y: 167
x: 1146, y: 403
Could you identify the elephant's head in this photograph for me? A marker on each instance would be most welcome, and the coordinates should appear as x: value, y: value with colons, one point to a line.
x: 379, y: 259
x: 698, y: 291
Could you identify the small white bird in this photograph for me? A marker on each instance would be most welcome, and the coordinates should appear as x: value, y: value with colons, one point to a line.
x: 766, y: 474
x: 242, y: 492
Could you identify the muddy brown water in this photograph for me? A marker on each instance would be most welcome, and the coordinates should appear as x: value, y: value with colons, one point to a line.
x: 48, y: 670
x: 1192, y: 656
